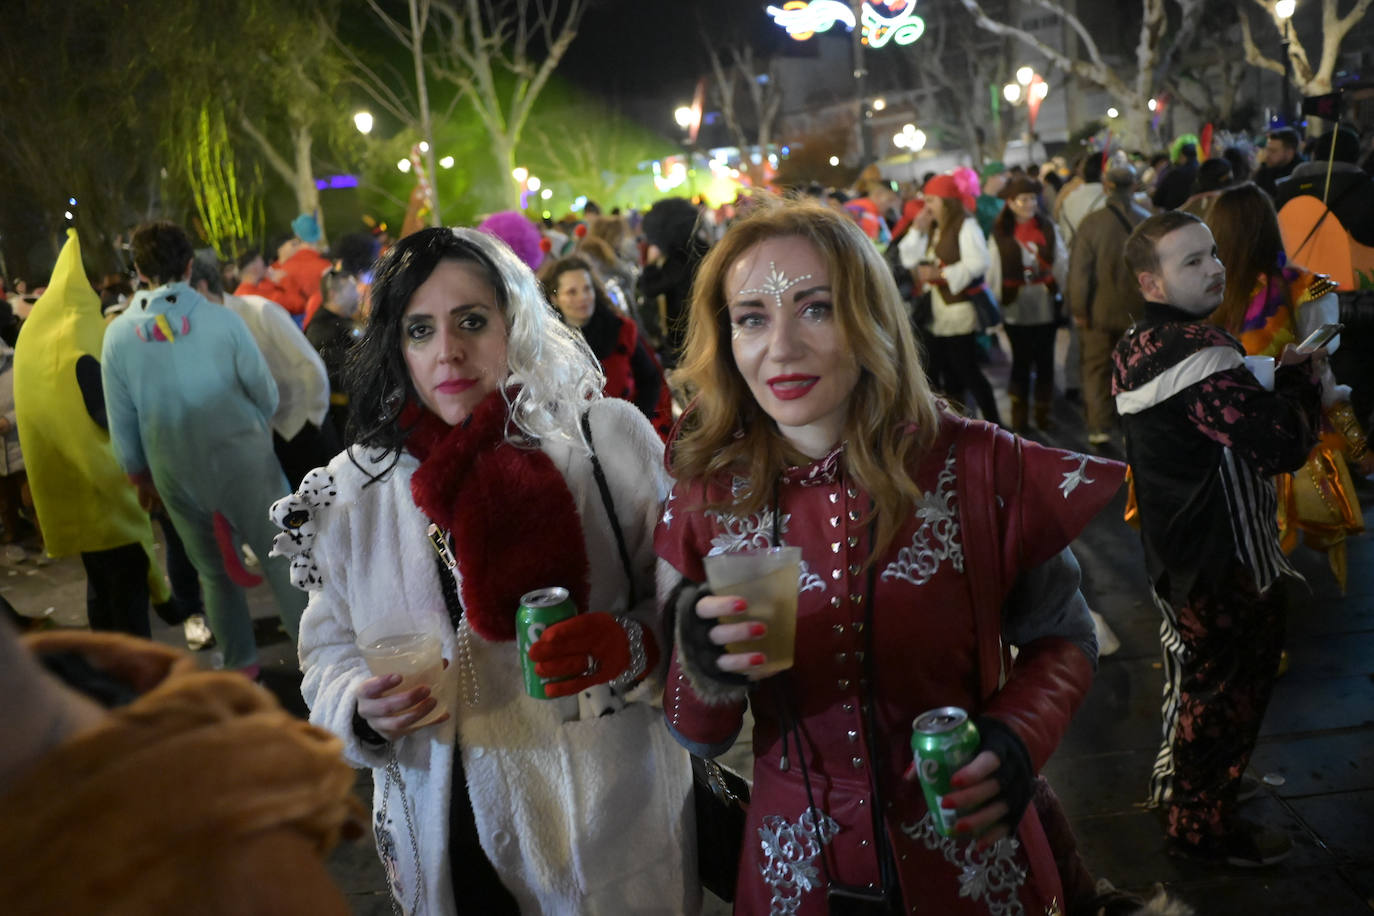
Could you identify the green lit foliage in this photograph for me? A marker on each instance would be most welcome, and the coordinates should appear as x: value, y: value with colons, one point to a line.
x: 226, y: 211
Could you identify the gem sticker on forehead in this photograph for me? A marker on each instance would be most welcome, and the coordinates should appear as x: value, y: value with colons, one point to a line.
x: 776, y: 284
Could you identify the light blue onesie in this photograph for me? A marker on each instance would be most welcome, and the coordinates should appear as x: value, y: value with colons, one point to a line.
x: 190, y: 398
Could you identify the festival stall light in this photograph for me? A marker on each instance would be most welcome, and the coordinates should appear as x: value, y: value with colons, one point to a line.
x: 533, y: 183
x: 520, y: 173
x: 424, y: 147
x: 446, y: 162
x: 802, y: 19
x: 71, y: 201
x: 1024, y: 75
x: 580, y: 202
x: 363, y: 121
x: 1113, y: 113
x: 546, y: 194
x: 879, y: 104
x: 1152, y: 104
x: 68, y: 214
x: 910, y: 138
x: 834, y: 160
x: 546, y: 215
x: 403, y: 165
x: 683, y: 116
x: 1012, y: 93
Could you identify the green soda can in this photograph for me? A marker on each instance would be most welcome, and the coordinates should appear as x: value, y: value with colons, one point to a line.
x: 942, y: 741
x: 539, y: 610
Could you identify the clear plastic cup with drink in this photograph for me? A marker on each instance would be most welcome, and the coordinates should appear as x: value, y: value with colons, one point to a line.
x: 767, y: 578
x: 400, y: 647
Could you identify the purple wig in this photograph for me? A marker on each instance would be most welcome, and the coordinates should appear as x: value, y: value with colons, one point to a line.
x: 513, y: 228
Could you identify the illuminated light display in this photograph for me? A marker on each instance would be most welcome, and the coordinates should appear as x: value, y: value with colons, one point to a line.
x: 886, y: 21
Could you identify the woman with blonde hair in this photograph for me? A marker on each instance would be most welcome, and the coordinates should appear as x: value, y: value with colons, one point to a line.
x: 929, y: 544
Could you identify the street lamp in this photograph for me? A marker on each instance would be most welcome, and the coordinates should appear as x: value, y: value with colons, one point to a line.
x: 363, y: 121
x: 1284, y: 10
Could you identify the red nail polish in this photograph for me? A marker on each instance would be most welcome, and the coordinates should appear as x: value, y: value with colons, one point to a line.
x: 955, y: 782
x: 947, y: 803
x: 739, y: 606
x: 756, y: 659
x: 757, y: 629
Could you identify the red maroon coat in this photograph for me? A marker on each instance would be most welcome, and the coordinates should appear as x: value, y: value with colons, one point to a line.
x: 970, y: 537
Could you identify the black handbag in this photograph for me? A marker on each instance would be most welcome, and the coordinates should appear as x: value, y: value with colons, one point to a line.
x: 721, y: 800
x: 720, y: 797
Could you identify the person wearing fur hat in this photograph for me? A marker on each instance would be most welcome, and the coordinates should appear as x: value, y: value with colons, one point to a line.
x: 948, y: 256
x: 1027, y: 269
x: 473, y: 480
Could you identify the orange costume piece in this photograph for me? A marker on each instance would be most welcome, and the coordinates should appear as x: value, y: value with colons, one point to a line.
x: 1318, y: 501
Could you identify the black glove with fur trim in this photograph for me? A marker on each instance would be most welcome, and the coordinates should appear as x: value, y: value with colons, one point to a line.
x: 697, y: 655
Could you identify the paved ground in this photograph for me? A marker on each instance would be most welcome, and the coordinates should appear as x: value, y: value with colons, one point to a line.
x: 1316, y: 750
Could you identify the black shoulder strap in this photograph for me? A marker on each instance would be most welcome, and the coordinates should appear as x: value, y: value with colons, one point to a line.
x: 609, y: 503
x: 1125, y: 223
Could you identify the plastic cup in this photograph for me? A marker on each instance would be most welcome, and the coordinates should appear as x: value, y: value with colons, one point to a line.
x: 396, y: 647
x: 1262, y: 368
x: 767, y: 579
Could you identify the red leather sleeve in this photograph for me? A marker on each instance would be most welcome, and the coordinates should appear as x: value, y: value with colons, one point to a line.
x: 1045, y: 688
x: 707, y: 725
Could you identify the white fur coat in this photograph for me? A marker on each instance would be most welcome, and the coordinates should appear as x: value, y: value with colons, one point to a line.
x: 578, y: 816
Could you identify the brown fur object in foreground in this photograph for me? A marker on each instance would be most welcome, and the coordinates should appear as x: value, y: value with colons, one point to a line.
x: 202, y: 795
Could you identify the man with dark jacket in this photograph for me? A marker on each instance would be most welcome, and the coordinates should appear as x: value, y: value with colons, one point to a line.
x: 1176, y: 185
x: 1333, y: 175
x: 1204, y: 438
x: 1102, y: 294
x: 1281, y: 156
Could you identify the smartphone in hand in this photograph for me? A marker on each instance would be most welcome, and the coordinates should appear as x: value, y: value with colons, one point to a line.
x: 1320, y: 337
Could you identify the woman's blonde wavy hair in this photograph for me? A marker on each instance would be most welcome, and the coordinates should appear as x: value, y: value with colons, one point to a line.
x: 892, y: 420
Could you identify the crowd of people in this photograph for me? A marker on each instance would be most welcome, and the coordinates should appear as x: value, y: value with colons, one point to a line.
x: 423, y: 432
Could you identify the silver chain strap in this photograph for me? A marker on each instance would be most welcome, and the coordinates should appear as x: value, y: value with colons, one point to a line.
x: 393, y: 775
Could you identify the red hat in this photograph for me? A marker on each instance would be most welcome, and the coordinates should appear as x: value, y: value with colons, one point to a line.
x: 946, y: 186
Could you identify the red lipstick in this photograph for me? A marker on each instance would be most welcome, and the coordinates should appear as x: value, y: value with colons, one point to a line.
x: 455, y: 385
x: 791, y: 387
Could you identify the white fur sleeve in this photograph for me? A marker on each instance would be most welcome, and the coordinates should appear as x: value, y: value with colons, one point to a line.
x: 329, y: 658
x: 631, y: 453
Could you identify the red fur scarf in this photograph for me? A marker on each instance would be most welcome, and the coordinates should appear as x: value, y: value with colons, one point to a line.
x: 514, y: 524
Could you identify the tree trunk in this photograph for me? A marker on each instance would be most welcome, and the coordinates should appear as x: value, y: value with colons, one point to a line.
x: 417, y: 53
x: 307, y: 195
x: 503, y: 151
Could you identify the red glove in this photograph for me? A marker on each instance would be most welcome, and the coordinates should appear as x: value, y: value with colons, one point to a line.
x: 587, y: 650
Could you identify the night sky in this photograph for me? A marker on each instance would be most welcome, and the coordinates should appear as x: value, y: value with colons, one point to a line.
x: 651, y: 47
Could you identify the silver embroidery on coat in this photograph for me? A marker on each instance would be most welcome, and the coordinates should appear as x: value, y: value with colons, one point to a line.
x: 1079, y: 475
x: 937, y: 538
x: 789, y: 856
x: 809, y: 581
x: 991, y: 875
x: 748, y: 533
